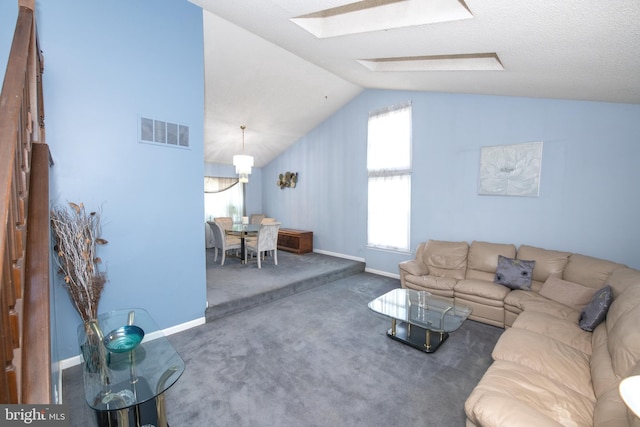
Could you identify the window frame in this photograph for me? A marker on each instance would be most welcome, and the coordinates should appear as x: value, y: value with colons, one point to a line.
x: 399, y: 166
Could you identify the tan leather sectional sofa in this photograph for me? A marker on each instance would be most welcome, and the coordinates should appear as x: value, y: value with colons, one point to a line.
x: 547, y: 370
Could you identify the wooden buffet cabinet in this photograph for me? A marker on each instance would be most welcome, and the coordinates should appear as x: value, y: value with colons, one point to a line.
x: 297, y: 241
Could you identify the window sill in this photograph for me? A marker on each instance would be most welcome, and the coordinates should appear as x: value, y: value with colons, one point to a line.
x: 389, y: 250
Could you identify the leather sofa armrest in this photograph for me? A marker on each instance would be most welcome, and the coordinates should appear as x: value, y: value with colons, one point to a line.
x: 414, y: 267
x: 494, y: 410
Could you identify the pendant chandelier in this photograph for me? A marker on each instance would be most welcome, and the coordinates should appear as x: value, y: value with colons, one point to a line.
x: 242, y: 162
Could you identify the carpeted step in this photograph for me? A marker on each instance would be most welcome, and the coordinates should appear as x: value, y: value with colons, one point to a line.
x: 331, y: 274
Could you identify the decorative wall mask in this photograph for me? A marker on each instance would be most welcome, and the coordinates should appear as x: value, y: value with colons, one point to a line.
x: 287, y: 179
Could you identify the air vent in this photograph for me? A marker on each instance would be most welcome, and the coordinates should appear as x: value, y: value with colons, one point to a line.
x: 159, y: 132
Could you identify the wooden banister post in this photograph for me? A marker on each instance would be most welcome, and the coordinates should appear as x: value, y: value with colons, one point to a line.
x: 30, y: 4
x: 36, y: 337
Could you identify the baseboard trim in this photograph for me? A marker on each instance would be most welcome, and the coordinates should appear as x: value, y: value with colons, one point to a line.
x: 184, y: 326
x: 382, y: 273
x: 76, y: 360
x: 335, y: 254
x: 353, y: 258
x: 69, y: 363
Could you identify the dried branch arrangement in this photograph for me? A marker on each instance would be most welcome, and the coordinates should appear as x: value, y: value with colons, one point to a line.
x: 77, y: 235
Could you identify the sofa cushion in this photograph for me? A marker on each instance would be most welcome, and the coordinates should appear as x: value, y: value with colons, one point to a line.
x: 562, y: 330
x: 514, y: 273
x: 517, y: 298
x: 499, y: 409
x: 602, y: 376
x: 610, y: 410
x: 551, y: 358
x: 446, y: 259
x: 568, y: 293
x: 483, y: 259
x: 597, y: 309
x: 414, y: 267
x: 588, y: 271
x: 624, y: 341
x: 430, y: 282
x: 518, y: 301
x: 548, y: 262
x: 508, y: 385
x: 621, y: 278
x: 490, y: 292
x: 624, y: 302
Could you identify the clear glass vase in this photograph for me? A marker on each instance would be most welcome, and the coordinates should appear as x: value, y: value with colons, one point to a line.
x: 93, y: 351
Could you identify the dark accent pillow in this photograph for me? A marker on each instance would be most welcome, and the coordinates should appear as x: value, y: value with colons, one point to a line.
x: 596, y: 310
x: 514, y: 273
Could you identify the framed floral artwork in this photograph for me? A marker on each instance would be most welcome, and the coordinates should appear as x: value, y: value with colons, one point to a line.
x: 510, y: 170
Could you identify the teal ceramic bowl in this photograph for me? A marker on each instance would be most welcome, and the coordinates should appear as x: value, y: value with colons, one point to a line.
x: 123, y: 339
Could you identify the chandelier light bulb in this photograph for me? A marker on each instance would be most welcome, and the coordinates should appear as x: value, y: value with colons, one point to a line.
x: 243, y: 162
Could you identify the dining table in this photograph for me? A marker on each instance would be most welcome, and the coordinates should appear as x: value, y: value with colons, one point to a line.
x: 243, y: 231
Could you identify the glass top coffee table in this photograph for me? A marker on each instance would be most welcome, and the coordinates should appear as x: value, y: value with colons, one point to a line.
x: 420, y: 319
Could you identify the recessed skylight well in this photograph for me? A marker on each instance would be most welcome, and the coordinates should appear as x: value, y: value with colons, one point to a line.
x: 376, y: 15
x: 349, y: 8
x: 463, y: 62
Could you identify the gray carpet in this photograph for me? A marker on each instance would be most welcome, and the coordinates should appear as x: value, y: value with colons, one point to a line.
x: 316, y: 358
x: 234, y: 287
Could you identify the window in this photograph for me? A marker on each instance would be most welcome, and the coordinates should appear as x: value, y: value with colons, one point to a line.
x: 389, y: 171
x: 223, y: 197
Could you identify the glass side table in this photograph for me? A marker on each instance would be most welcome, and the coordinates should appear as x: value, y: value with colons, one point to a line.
x: 127, y: 389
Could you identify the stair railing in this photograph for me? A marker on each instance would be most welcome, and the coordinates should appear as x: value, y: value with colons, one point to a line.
x: 25, y: 336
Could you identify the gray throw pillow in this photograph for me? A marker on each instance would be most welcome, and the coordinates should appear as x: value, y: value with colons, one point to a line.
x: 514, y: 273
x: 596, y: 310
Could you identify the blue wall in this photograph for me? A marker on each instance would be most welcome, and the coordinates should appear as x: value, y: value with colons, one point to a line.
x: 589, y: 196
x: 106, y: 63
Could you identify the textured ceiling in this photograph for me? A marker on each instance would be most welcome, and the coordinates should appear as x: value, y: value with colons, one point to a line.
x: 268, y: 73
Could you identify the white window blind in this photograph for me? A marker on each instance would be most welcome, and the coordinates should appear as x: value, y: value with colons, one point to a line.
x: 389, y: 171
x: 223, y: 197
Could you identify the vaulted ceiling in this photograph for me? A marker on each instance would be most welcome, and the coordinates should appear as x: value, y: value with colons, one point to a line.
x: 281, y: 67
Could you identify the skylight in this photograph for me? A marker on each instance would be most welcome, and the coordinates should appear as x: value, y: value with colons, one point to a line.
x: 464, y: 62
x: 376, y: 15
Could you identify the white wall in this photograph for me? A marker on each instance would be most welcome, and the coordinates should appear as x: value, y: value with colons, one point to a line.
x: 589, y: 196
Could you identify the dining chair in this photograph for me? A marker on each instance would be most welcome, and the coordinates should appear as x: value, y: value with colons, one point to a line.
x: 225, y: 221
x: 221, y: 243
x: 264, y: 221
x: 266, y: 241
x: 256, y: 218
x: 209, y: 239
x: 227, y: 224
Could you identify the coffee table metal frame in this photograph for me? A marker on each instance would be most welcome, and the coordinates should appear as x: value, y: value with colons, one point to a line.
x: 419, y: 319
